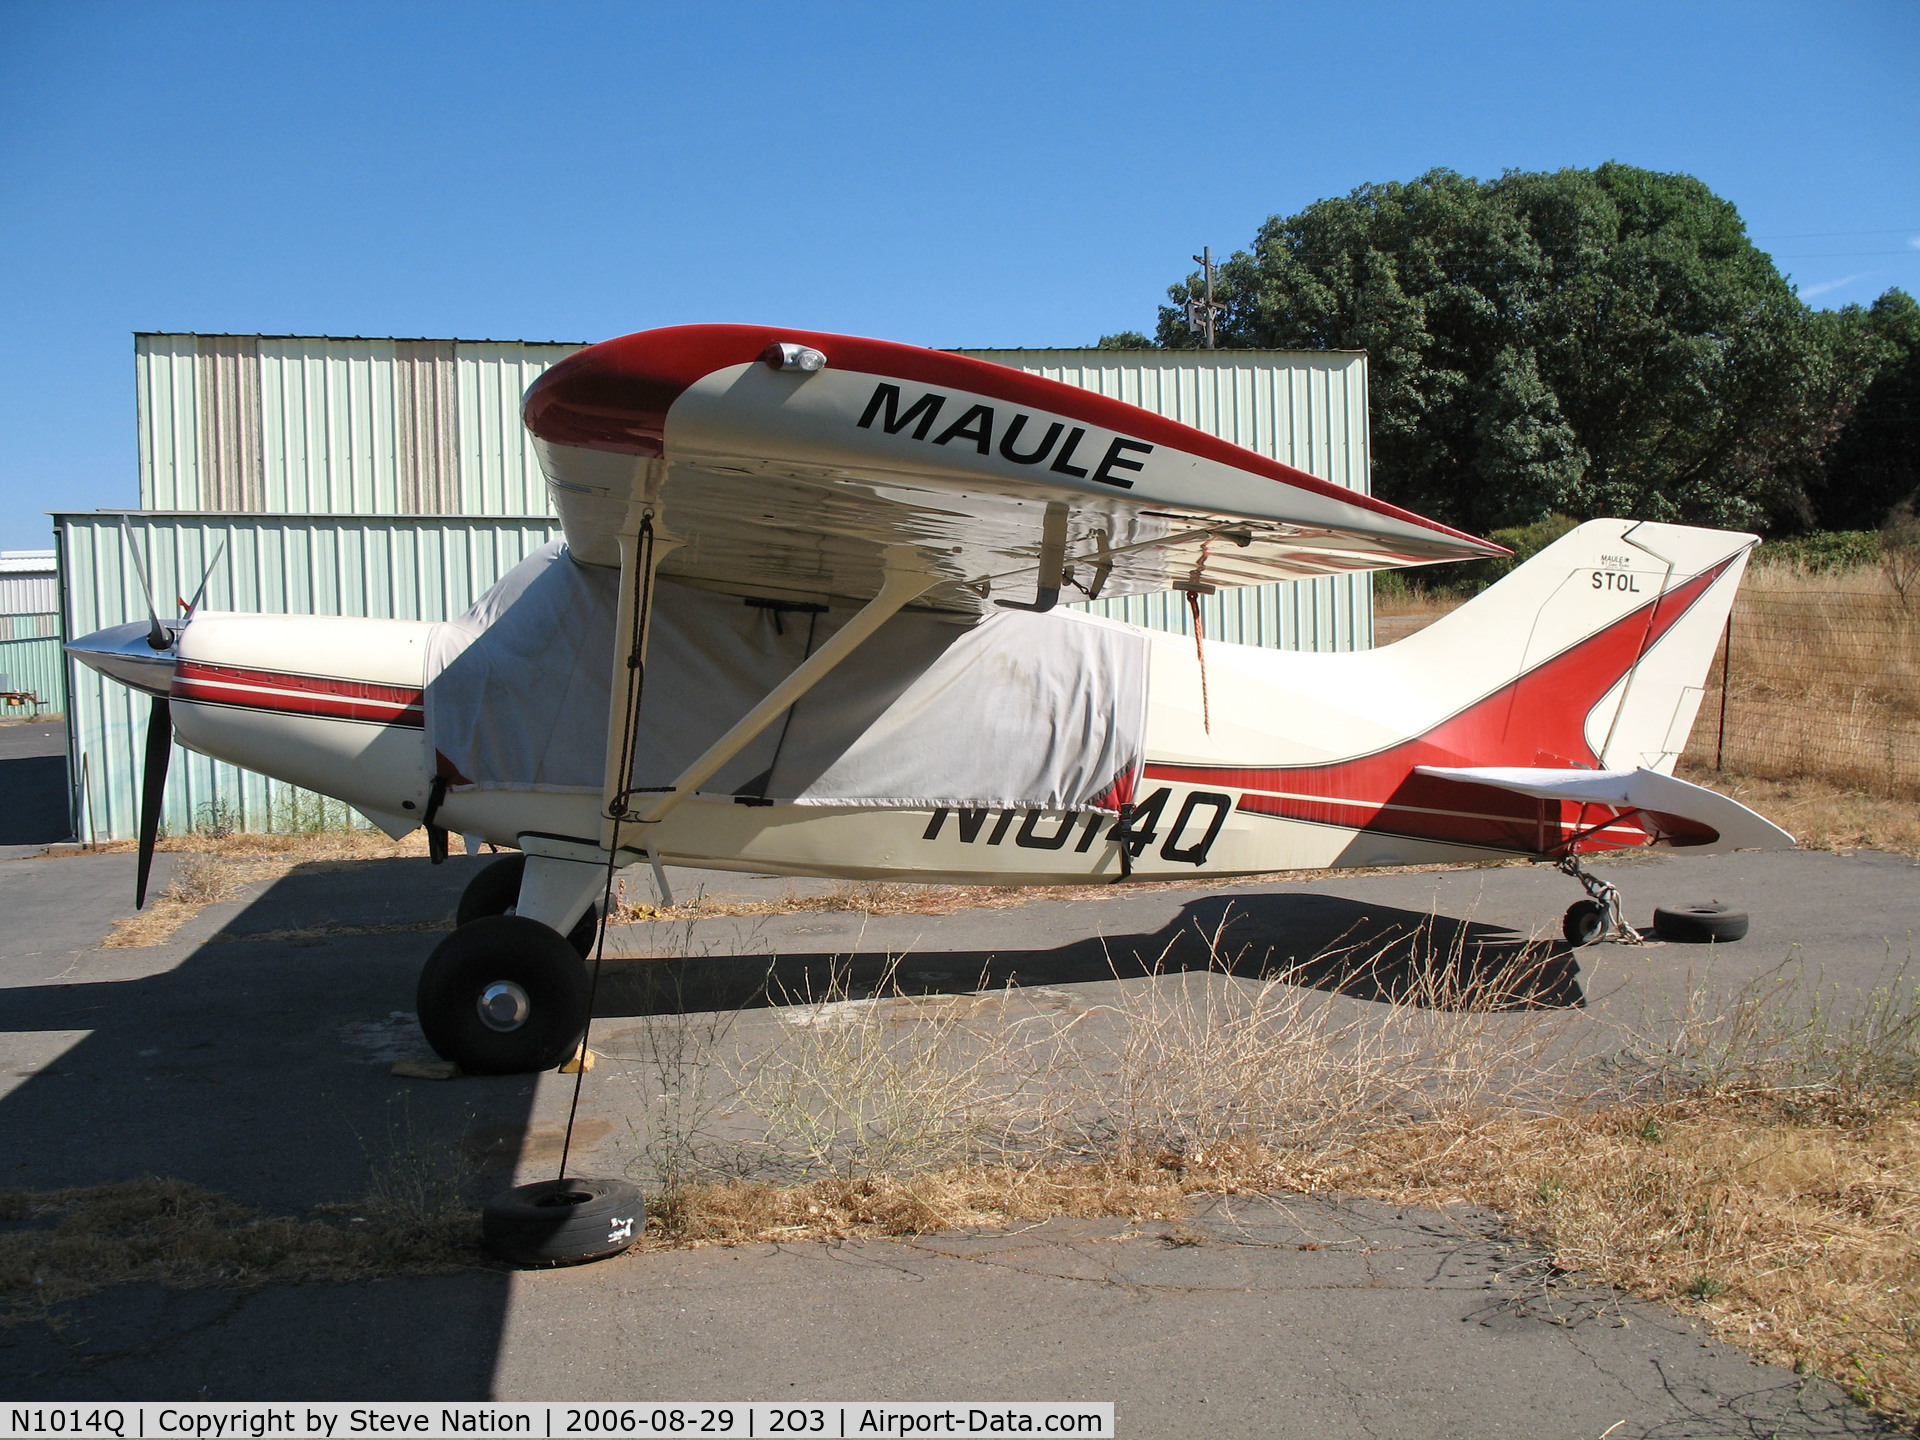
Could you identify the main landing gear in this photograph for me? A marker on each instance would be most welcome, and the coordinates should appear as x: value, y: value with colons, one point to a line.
x: 496, y: 890
x: 505, y: 994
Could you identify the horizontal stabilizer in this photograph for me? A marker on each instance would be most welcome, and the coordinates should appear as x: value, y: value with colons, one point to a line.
x: 1642, y: 792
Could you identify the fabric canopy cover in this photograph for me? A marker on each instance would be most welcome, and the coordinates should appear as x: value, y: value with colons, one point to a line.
x: 1014, y: 711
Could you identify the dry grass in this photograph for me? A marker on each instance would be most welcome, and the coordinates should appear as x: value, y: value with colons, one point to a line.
x: 1399, y: 615
x: 887, y: 898
x: 1823, y: 681
x: 1790, y: 1224
x: 1792, y: 1230
x: 212, y: 868
x: 877, y: 1206
x: 302, y: 846
x: 198, y: 881
x: 1820, y: 814
x: 1426, y: 604
x: 63, y: 1245
x: 875, y: 898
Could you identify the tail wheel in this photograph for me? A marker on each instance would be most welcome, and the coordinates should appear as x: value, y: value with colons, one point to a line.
x: 1700, y: 923
x: 503, y: 995
x: 496, y: 890
x: 1585, y: 922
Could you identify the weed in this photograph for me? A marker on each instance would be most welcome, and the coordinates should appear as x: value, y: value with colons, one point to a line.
x: 1754, y: 1155
x: 217, y: 819
x: 302, y: 812
x: 672, y: 1136
x: 197, y: 881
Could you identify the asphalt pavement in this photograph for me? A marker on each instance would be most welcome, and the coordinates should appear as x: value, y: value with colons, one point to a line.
x: 33, y: 785
x: 253, y: 1052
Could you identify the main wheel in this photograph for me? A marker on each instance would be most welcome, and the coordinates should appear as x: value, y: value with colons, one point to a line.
x: 503, y: 995
x: 1585, y: 922
x: 1700, y: 923
x: 563, y: 1222
x: 496, y: 890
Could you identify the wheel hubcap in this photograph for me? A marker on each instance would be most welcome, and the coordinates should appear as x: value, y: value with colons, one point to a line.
x: 503, y: 1005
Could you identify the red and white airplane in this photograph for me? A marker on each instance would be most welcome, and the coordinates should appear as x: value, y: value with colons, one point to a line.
x: 804, y: 621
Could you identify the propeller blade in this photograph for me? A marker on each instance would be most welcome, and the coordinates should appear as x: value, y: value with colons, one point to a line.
x: 193, y: 606
x: 157, y: 636
x: 153, y: 787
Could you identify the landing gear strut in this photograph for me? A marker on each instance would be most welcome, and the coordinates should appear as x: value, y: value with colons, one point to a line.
x: 1597, y: 917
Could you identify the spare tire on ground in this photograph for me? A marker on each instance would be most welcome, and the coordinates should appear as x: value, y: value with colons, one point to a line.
x: 563, y: 1222
x: 1700, y: 923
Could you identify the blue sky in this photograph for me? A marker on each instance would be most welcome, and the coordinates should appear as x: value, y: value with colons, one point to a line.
x: 953, y: 175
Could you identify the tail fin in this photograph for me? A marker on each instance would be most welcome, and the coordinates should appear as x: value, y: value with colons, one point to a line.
x: 1596, y: 651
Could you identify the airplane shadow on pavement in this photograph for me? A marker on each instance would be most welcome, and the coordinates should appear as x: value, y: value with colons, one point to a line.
x: 1330, y: 943
x: 258, y: 1064
x: 33, y: 780
x: 261, y: 1070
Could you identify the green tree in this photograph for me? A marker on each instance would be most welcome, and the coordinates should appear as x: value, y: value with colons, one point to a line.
x: 1874, y: 464
x: 1591, y: 342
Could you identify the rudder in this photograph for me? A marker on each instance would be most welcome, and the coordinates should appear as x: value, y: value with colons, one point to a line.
x: 1618, y: 619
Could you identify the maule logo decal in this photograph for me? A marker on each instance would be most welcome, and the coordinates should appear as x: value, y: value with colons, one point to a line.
x: 975, y: 427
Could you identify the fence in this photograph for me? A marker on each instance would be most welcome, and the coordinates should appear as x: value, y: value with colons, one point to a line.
x: 1817, y: 681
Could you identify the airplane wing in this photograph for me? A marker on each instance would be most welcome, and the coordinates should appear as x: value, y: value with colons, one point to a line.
x: 787, y: 462
x: 1630, y: 807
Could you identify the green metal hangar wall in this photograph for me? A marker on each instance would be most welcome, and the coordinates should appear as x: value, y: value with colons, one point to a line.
x: 30, y: 660
x: 393, y: 478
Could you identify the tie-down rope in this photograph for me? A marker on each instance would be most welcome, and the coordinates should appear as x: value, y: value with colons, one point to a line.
x: 629, y: 741
x: 1200, y: 649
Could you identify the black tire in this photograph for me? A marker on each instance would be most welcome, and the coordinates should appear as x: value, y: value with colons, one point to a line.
x: 1700, y: 924
x: 563, y: 1222
x: 511, y: 951
x: 495, y: 891
x: 1584, y: 922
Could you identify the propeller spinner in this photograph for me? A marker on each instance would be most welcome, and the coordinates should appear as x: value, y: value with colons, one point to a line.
x: 142, y: 655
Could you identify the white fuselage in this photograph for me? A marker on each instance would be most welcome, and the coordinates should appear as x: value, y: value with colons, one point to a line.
x: 1289, y: 761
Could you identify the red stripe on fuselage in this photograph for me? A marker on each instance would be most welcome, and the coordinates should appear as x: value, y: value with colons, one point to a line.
x: 286, y: 694
x: 1537, y: 719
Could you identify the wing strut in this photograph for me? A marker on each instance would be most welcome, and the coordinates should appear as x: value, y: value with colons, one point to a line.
x: 905, y: 581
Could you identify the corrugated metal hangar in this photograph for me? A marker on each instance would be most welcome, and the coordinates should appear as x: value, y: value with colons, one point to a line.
x: 30, y: 661
x: 393, y: 478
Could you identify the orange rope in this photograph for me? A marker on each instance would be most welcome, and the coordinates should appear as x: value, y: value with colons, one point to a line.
x: 1200, y: 650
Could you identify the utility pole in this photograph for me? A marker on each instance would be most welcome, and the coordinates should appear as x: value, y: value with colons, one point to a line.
x: 1201, y: 314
